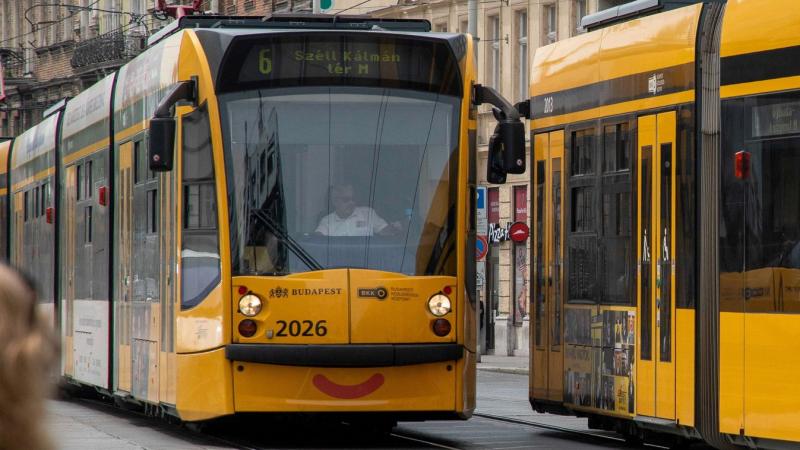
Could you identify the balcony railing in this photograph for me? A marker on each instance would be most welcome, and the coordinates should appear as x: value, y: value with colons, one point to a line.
x: 107, y: 49
x: 13, y: 69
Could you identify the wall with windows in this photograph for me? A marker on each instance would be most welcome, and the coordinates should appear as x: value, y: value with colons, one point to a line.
x: 509, y: 32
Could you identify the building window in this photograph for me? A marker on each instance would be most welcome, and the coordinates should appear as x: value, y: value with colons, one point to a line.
x: 494, y: 52
x: 463, y: 26
x: 519, y: 304
x: 440, y: 27
x: 522, y: 54
x: 550, y: 25
x: 579, y: 7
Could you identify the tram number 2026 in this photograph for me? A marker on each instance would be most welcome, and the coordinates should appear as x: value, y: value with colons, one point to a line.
x: 302, y: 328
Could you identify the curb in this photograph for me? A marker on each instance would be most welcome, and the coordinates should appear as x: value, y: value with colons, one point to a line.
x: 511, y: 370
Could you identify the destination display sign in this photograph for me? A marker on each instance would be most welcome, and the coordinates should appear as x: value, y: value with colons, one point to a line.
x: 341, y: 59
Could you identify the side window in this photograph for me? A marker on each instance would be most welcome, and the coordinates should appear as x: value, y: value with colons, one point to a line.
x: 582, y: 263
x: 87, y: 220
x: 36, y: 205
x: 582, y: 152
x: 45, y: 197
x: 88, y: 177
x: 616, y: 254
x: 152, y: 211
x: 79, y: 182
x: 26, y: 205
x: 200, y: 270
x: 138, y: 163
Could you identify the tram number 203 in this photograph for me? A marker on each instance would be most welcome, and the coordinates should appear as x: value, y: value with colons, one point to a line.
x: 302, y: 328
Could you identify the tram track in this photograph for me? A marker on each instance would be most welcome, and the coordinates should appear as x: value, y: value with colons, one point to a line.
x: 230, y: 438
x: 586, y: 434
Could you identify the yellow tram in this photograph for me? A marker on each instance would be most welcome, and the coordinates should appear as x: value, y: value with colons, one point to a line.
x: 666, y: 224
x: 265, y: 216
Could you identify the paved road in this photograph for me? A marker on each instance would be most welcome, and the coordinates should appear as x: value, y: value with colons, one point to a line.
x: 88, y: 426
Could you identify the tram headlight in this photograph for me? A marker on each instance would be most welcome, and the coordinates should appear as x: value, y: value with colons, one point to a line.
x: 439, y: 305
x: 250, y: 305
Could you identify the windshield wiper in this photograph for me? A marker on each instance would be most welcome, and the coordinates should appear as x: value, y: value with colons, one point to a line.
x: 296, y: 248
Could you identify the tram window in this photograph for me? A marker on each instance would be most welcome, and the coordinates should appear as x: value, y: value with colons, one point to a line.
x: 582, y: 273
x: 36, y: 205
x: 200, y: 243
x: 88, y: 176
x: 582, y: 152
x: 583, y: 211
x: 78, y: 182
x: 775, y: 116
x: 43, y: 195
x: 616, y: 213
x: 25, y: 205
x: 152, y: 211
x: 138, y: 163
x: 87, y: 224
x: 616, y: 151
x: 200, y: 209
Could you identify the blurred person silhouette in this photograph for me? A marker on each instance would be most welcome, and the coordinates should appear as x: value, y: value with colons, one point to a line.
x: 28, y: 350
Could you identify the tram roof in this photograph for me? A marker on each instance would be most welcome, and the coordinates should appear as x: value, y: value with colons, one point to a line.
x: 285, y: 22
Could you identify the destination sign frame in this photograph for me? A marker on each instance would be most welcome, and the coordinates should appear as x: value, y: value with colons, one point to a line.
x: 340, y: 59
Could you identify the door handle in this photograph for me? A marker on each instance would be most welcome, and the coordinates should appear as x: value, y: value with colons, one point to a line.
x: 658, y: 312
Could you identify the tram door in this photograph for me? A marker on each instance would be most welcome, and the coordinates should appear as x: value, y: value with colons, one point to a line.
x: 548, y: 257
x: 655, y: 380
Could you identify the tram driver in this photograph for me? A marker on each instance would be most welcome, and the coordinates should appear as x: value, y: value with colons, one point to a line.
x: 347, y: 219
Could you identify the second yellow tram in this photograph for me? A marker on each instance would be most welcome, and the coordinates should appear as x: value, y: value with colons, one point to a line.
x: 665, y: 225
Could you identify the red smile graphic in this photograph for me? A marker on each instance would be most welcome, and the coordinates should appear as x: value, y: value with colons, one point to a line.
x: 327, y: 386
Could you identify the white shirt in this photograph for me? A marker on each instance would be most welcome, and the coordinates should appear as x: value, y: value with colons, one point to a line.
x: 364, y: 221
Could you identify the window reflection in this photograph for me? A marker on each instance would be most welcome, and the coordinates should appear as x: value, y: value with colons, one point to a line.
x: 325, y: 177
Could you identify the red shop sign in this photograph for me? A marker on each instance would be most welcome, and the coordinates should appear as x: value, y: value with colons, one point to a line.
x: 519, y: 232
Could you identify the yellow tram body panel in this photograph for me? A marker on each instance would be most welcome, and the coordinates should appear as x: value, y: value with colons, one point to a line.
x: 5, y: 149
x: 759, y: 322
x: 350, y: 306
x: 638, y: 75
x: 426, y: 387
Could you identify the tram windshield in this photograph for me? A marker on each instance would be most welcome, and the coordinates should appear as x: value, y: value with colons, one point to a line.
x: 335, y: 176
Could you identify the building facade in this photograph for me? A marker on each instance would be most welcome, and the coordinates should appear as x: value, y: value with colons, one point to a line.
x: 53, y: 50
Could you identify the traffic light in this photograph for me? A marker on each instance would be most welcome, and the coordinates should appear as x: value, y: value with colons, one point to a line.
x: 325, y: 5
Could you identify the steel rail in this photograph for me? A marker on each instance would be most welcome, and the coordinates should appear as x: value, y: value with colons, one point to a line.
x: 545, y: 426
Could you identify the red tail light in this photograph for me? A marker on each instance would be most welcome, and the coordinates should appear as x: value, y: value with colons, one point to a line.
x: 447, y: 290
x: 242, y: 290
x: 247, y: 327
x: 742, y: 165
x: 441, y: 327
x: 49, y: 214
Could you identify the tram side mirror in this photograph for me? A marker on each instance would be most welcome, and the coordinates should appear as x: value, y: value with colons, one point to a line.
x: 495, y: 172
x: 507, y: 144
x: 512, y: 133
x: 161, y: 147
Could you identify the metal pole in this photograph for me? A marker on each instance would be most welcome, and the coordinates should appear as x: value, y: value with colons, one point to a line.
x: 472, y: 21
x: 315, y: 8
